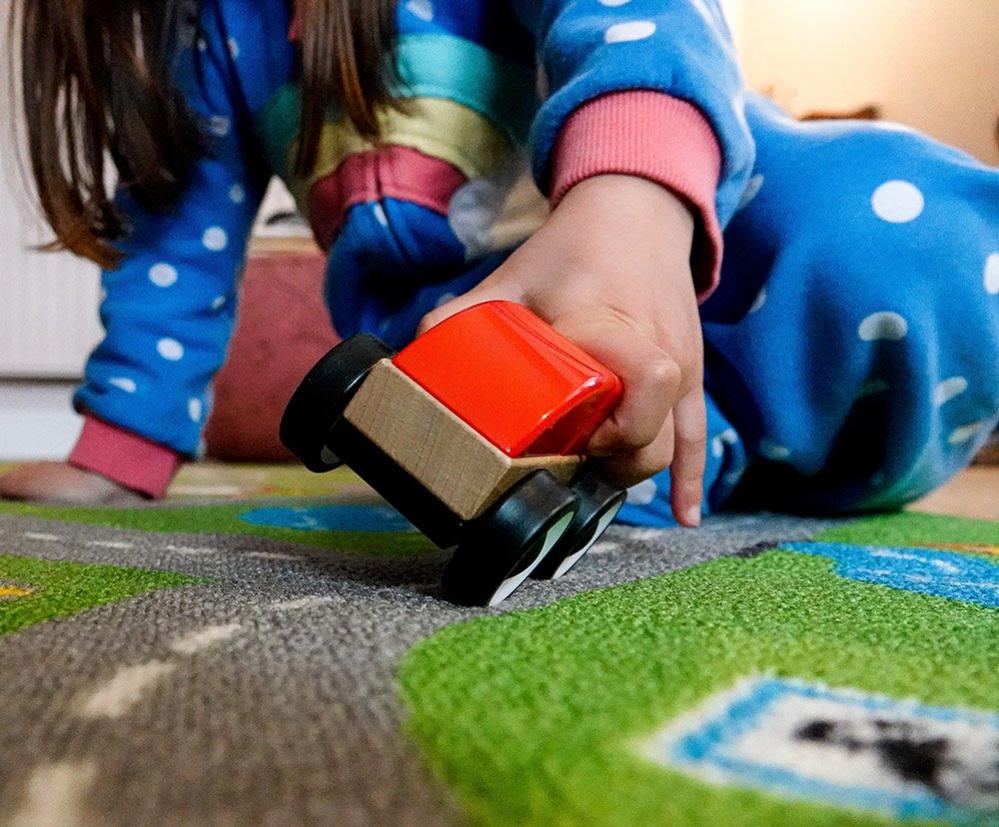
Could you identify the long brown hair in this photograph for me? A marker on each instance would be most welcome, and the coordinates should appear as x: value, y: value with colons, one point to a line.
x: 95, y: 84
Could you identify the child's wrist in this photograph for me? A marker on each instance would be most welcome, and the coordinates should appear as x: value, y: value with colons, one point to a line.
x: 624, y: 195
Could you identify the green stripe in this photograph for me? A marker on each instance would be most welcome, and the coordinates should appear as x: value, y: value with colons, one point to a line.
x: 278, y: 124
x: 443, y: 66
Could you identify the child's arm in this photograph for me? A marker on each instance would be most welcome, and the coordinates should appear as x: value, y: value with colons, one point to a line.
x: 638, y: 90
x: 168, y: 310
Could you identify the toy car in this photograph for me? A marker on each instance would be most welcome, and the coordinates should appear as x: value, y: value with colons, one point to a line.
x: 475, y: 433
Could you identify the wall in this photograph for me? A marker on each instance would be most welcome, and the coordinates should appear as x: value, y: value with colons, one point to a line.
x: 48, y: 302
x: 933, y: 64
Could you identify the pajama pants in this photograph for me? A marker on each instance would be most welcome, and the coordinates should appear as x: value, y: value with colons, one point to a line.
x: 852, y: 348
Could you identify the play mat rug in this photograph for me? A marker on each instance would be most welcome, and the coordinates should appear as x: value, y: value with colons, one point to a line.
x: 270, y: 648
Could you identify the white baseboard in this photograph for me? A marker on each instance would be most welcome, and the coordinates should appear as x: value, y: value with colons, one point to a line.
x: 37, y: 420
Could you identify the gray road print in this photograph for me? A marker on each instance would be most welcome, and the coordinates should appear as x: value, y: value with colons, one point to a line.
x: 268, y: 696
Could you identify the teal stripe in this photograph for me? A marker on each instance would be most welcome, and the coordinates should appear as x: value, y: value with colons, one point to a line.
x: 278, y: 124
x: 430, y: 66
x: 444, y: 66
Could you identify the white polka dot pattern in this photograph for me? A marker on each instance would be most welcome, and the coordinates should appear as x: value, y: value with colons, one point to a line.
x: 991, y: 274
x: 163, y: 275
x: 630, y: 31
x: 726, y: 437
x: 643, y: 493
x: 219, y: 126
x: 948, y: 389
x: 897, y: 202
x: 215, y: 239
x: 753, y: 187
x: 422, y: 9
x: 170, y: 349
x: 774, y: 451
x: 758, y: 302
x: 123, y: 383
x: 886, y: 326
x: 965, y: 433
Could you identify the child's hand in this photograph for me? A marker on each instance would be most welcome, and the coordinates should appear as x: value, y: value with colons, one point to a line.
x: 610, y: 269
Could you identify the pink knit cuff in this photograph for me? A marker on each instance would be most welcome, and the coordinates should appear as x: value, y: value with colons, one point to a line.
x: 657, y: 137
x: 124, y: 457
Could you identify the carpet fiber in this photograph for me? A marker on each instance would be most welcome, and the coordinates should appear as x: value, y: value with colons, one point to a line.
x: 270, y: 647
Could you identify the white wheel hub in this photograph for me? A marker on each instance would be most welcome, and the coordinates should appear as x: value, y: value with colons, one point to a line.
x: 512, y: 583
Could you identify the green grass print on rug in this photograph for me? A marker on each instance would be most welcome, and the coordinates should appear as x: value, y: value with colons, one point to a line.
x: 231, y: 519
x: 34, y: 590
x: 545, y: 716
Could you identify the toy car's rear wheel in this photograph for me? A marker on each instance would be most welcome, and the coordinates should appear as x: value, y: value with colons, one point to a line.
x: 500, y: 549
x: 599, y: 503
x: 323, y: 395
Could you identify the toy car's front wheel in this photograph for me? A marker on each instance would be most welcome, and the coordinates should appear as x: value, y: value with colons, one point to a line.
x: 500, y: 549
x: 323, y: 395
x: 599, y: 503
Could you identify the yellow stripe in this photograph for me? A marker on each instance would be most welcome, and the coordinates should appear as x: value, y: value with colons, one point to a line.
x: 434, y: 126
x: 7, y: 592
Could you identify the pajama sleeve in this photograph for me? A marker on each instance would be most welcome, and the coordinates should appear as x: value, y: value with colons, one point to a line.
x: 643, y: 87
x: 168, y: 309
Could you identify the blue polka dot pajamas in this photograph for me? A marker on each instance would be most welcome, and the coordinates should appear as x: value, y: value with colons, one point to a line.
x: 852, y: 347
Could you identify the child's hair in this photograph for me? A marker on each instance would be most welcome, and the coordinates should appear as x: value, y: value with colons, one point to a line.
x: 95, y: 83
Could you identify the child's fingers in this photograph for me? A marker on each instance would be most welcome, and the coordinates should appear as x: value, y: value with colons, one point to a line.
x: 687, y: 468
x: 650, y: 378
x: 630, y: 469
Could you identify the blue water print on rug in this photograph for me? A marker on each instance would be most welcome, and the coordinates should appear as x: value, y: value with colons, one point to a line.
x: 924, y: 571
x: 843, y: 747
x: 330, y: 518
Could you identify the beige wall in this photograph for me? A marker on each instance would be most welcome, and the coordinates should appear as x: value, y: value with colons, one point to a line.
x: 933, y: 64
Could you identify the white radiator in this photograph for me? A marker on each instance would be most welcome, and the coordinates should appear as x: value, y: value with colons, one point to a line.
x: 48, y: 312
x: 48, y: 302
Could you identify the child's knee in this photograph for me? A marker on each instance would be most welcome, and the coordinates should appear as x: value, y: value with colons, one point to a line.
x: 883, y: 248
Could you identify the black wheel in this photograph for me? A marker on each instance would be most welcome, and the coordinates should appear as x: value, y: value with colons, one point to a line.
x: 500, y: 549
x: 599, y: 502
x: 323, y: 395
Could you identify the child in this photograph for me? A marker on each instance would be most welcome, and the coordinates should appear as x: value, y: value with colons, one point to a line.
x: 851, y: 348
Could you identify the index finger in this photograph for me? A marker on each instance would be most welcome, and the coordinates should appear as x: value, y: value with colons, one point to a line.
x: 689, y: 458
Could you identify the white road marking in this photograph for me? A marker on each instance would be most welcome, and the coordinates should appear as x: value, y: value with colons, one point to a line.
x: 190, y: 550
x: 111, y: 544
x: 54, y: 795
x: 114, y: 698
x: 271, y: 555
x: 127, y: 686
x: 300, y: 603
x: 48, y: 538
x: 194, y: 642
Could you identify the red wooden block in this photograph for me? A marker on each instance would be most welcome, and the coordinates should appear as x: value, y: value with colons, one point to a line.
x: 514, y: 379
